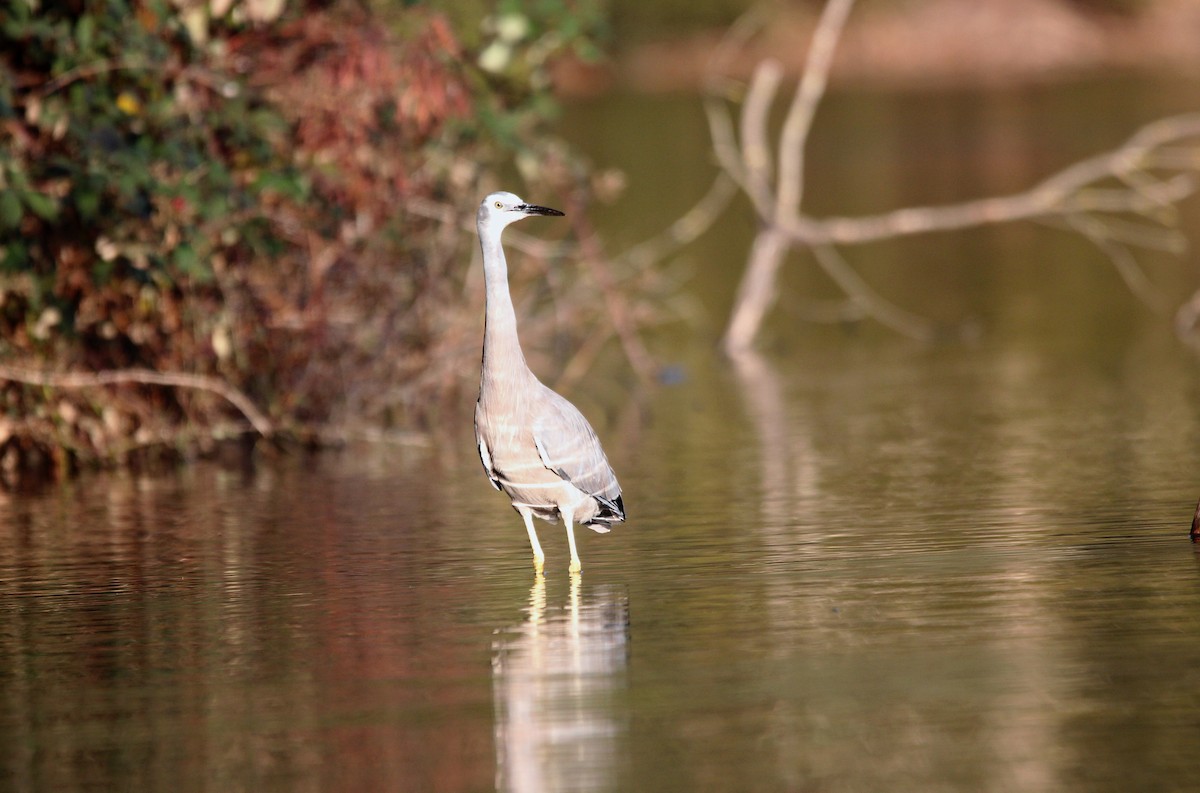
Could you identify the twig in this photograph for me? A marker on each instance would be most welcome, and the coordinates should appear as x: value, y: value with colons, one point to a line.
x: 589, y: 247
x: 88, y: 71
x: 686, y: 228
x: 882, y: 310
x: 736, y: 37
x: 1124, y: 262
x: 260, y: 422
x: 585, y: 355
x: 1137, y: 235
x: 724, y: 143
x: 756, y: 153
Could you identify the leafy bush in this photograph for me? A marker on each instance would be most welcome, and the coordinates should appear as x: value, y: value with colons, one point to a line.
x: 222, y: 190
x: 130, y: 170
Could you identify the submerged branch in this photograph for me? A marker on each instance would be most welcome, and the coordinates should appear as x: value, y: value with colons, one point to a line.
x: 1064, y: 193
x: 1145, y: 177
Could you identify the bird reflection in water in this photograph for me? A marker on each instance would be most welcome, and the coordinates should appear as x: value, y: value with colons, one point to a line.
x: 556, y: 679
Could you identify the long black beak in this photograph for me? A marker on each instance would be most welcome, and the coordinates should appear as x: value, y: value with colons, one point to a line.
x: 534, y: 209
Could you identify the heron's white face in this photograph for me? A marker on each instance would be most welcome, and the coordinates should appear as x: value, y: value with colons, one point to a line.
x: 500, y: 209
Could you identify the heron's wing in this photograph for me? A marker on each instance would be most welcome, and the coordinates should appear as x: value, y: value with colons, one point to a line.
x: 568, y: 446
x: 485, y: 456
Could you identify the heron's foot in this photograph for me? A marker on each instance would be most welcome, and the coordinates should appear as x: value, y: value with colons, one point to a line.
x: 575, y: 567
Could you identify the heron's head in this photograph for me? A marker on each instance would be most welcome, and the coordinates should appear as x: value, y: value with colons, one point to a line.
x: 500, y: 209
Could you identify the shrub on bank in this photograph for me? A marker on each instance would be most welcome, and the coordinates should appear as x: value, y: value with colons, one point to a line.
x: 223, y: 189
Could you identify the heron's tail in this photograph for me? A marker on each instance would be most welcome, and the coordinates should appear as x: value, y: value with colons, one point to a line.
x: 611, y: 511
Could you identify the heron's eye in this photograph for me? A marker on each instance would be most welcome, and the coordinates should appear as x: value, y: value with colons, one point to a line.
x: 499, y: 205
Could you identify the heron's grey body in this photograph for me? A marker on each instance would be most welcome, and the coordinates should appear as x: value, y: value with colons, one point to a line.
x: 534, y: 444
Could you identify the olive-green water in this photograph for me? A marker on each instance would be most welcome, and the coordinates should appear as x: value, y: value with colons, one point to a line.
x: 857, y: 563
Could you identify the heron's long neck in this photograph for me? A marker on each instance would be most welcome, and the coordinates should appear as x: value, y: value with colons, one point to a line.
x: 502, y: 356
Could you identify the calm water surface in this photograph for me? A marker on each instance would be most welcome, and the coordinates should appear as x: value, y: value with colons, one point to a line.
x: 856, y: 564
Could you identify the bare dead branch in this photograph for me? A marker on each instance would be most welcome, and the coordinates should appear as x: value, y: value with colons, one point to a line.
x: 618, y: 310
x: 740, y: 32
x: 261, y: 424
x: 585, y: 355
x: 1158, y: 205
x: 1124, y: 261
x: 1131, y: 233
x: 756, y: 292
x: 756, y: 152
x: 794, y: 137
x: 725, y: 146
x: 686, y: 228
x: 88, y: 71
x: 1059, y: 194
x: 1187, y: 318
x: 871, y: 302
x: 1145, y: 177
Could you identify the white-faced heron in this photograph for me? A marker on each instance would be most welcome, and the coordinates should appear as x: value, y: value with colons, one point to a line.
x: 535, y: 445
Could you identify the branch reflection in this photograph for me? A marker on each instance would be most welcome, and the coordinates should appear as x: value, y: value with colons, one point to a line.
x: 788, y: 464
x: 555, y: 678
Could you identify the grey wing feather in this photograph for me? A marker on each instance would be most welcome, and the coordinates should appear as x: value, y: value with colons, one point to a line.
x: 485, y: 455
x: 568, y: 446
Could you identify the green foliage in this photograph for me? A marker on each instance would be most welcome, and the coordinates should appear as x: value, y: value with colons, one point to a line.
x: 213, y: 188
x: 515, y: 44
x: 122, y: 145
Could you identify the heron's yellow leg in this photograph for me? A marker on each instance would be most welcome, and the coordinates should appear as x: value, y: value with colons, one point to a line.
x: 575, y: 565
x: 539, y: 558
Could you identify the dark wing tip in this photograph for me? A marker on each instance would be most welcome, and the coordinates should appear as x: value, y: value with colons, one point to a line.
x: 611, y: 510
